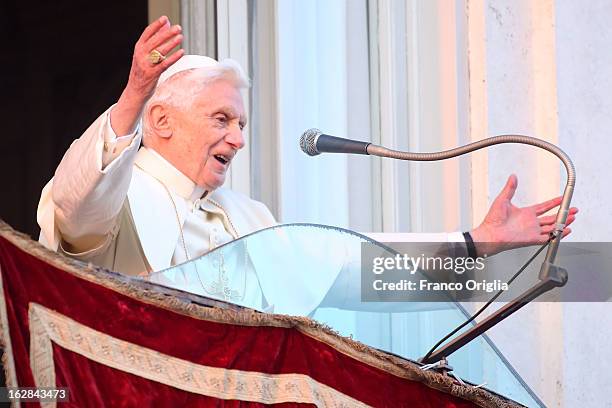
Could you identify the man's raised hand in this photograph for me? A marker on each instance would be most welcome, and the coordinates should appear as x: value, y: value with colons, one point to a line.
x: 160, y: 36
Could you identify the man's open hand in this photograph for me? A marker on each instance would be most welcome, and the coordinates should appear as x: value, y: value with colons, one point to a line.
x: 160, y: 36
x: 507, y: 226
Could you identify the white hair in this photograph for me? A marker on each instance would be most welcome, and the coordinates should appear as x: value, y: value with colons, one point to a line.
x: 181, y: 89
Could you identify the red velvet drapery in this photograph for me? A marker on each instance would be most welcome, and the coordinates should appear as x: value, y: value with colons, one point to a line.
x: 252, y: 343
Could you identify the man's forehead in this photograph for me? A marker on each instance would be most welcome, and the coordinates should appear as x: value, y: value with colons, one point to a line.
x: 222, y: 95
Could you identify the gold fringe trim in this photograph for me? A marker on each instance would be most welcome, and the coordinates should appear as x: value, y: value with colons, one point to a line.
x: 359, y: 351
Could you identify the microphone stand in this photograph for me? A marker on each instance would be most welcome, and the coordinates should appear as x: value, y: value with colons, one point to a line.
x: 555, y: 277
x: 551, y: 276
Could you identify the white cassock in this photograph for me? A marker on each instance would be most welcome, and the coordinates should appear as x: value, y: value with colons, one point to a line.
x: 134, y: 205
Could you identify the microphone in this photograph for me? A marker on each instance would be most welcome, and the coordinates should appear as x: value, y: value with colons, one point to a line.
x: 313, y: 142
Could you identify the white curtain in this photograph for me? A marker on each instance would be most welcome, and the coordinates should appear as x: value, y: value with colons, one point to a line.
x: 373, y: 70
x: 407, y: 74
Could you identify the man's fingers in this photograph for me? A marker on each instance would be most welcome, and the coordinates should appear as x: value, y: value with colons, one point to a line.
x: 153, y: 28
x: 547, y: 229
x: 169, y: 45
x: 550, y: 219
x: 161, y: 37
x: 171, y: 59
x: 509, y: 189
x: 541, y: 208
x: 566, y: 232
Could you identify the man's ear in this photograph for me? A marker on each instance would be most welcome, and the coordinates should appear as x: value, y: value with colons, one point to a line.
x: 159, y: 120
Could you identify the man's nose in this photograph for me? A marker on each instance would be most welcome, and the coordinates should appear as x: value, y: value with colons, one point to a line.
x: 235, y: 137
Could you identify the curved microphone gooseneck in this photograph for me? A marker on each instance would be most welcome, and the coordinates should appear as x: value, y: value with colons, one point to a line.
x: 313, y: 142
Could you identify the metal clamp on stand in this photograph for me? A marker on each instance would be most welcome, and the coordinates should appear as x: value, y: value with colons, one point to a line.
x: 444, y: 368
x: 554, y: 273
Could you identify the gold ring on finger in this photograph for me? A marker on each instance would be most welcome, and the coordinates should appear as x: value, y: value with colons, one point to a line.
x: 155, y: 57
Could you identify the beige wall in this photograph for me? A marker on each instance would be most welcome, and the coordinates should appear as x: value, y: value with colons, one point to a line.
x: 170, y: 8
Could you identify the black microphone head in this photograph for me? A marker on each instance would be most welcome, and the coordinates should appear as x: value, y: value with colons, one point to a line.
x: 308, y: 142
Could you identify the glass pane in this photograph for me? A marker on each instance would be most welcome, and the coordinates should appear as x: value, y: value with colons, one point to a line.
x: 303, y: 269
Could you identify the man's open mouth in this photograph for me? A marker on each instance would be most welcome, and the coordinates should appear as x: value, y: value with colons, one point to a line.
x: 221, y: 159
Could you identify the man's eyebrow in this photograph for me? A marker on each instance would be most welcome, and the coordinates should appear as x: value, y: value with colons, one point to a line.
x: 228, y: 110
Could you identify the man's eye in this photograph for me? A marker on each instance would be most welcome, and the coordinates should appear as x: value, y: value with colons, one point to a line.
x: 241, y: 125
x: 221, y: 119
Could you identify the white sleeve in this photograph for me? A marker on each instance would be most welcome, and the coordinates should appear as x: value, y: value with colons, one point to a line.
x: 90, y: 185
x: 114, y: 145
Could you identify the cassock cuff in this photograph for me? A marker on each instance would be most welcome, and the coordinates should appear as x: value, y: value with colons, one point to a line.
x: 115, y: 145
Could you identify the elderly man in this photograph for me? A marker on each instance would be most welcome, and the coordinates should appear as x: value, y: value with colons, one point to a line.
x: 134, y: 210
x: 137, y: 210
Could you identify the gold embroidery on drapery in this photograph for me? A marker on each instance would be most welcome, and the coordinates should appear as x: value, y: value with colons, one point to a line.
x: 47, y: 326
x: 41, y: 352
x: 7, y: 357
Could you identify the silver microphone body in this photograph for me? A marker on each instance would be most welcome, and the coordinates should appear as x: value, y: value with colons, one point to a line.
x: 313, y: 143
